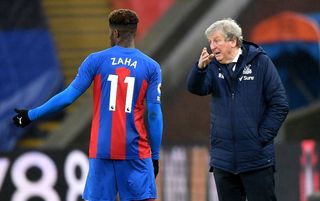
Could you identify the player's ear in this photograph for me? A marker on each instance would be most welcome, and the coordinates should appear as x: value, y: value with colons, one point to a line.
x: 116, y: 33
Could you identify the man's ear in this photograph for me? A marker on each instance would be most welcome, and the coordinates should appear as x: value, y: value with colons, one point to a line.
x: 233, y: 42
x: 116, y: 33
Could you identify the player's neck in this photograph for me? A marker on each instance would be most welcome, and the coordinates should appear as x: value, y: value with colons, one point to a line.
x: 127, y: 43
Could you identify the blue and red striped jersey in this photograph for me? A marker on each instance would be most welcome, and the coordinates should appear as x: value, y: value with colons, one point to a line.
x: 123, y: 79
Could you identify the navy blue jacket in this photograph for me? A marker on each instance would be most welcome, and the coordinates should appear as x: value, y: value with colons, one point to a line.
x: 247, y: 109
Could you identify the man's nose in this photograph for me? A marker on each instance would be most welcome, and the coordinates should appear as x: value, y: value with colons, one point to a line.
x: 213, y: 45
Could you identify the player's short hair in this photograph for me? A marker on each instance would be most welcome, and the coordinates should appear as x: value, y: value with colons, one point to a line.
x: 229, y: 28
x: 124, y: 20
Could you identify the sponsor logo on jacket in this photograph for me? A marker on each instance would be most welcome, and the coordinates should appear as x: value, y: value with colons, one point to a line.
x: 246, y: 73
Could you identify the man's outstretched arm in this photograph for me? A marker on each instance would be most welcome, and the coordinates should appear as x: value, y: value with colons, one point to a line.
x: 77, y: 87
x: 24, y: 117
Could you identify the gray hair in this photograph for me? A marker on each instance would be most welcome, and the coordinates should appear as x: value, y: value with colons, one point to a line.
x: 229, y: 28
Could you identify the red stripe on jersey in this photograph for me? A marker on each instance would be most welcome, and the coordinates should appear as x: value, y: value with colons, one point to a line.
x: 144, y: 148
x: 96, y: 117
x: 118, y: 131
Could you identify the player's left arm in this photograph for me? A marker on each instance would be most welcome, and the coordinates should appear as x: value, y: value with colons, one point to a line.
x: 56, y: 103
x: 78, y: 86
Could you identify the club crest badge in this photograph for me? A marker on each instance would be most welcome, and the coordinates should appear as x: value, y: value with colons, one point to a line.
x: 247, y: 70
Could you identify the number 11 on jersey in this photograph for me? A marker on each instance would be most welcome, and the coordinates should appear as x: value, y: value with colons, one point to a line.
x: 113, y: 92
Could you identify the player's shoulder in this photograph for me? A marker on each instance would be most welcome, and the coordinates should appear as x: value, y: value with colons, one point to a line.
x: 99, y: 56
x: 148, y: 58
x: 101, y: 53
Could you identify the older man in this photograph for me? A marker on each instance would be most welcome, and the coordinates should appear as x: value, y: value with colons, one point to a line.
x: 248, y: 106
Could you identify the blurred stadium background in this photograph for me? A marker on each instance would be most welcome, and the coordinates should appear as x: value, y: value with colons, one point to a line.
x: 42, y: 44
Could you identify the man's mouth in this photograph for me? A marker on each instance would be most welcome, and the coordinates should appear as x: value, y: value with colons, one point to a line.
x: 216, y: 54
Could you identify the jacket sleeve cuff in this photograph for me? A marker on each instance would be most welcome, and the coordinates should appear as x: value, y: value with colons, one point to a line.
x: 200, y: 70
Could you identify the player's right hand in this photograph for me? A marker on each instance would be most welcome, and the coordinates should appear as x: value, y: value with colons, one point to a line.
x: 155, y: 167
x: 205, y: 58
x: 21, y: 119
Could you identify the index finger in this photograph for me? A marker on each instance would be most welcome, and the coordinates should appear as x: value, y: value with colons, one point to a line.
x: 204, y: 50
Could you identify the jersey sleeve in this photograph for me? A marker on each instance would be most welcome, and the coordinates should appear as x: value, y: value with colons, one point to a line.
x: 154, y: 88
x: 155, y: 122
x: 85, y: 74
x: 56, y: 103
x: 77, y: 87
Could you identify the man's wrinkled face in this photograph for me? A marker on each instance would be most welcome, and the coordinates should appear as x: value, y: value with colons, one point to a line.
x: 221, y: 48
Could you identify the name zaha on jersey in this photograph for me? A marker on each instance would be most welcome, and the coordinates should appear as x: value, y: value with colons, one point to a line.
x: 123, y: 61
